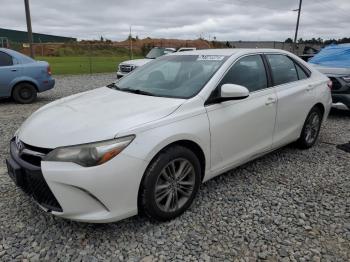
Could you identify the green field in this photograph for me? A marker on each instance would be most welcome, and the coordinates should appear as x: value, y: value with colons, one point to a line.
x: 83, y: 64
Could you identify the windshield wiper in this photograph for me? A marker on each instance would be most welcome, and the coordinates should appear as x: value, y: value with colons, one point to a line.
x: 129, y: 90
x: 136, y: 91
x: 114, y: 86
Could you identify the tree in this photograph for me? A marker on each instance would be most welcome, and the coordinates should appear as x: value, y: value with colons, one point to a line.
x: 289, y: 40
x: 101, y: 39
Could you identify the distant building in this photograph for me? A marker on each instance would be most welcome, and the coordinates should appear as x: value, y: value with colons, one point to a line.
x: 21, y: 37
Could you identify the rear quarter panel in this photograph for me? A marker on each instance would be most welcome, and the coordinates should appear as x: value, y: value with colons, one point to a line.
x: 35, y: 73
x: 320, y: 91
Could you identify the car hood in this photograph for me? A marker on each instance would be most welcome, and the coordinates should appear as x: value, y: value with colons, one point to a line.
x: 332, y: 71
x: 92, y: 116
x: 137, y: 62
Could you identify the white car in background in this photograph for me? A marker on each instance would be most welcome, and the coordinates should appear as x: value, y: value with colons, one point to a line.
x: 126, y: 67
x: 147, y: 142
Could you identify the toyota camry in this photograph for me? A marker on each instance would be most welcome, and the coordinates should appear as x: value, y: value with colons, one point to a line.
x: 146, y: 142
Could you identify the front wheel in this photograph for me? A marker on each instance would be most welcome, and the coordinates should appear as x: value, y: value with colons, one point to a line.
x: 170, y: 183
x: 311, y: 129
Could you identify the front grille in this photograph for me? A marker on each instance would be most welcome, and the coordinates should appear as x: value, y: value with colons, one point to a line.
x: 126, y: 68
x: 33, y: 160
x: 336, y: 84
x: 33, y: 155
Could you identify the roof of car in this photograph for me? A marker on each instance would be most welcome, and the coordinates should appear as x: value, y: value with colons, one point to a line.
x: 229, y: 51
x: 6, y: 50
x: 11, y: 52
x: 19, y: 56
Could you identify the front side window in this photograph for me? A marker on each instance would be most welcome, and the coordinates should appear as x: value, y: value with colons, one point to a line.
x: 283, y: 69
x: 178, y: 76
x: 5, y: 59
x: 248, y: 72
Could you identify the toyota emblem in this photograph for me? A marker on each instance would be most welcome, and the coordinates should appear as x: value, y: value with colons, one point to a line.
x: 19, y: 144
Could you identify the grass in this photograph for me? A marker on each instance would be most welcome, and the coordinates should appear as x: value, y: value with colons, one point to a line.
x: 83, y: 64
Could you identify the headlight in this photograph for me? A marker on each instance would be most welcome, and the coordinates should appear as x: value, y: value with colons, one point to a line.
x: 346, y: 78
x: 92, y: 154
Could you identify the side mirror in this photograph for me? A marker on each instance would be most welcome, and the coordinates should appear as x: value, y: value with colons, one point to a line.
x: 233, y: 92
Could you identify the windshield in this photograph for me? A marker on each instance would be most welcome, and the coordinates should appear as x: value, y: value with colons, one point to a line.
x: 178, y: 76
x: 157, y: 52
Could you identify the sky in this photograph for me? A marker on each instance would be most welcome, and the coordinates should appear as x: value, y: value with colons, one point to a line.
x: 233, y: 20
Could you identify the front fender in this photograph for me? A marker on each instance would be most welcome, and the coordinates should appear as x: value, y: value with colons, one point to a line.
x: 149, y: 143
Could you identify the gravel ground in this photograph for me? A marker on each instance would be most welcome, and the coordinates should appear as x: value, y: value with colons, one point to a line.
x: 290, y: 205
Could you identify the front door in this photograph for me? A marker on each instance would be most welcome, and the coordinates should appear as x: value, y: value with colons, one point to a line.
x: 242, y: 129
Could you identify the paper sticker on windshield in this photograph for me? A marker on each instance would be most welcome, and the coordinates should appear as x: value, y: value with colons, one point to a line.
x: 210, y: 57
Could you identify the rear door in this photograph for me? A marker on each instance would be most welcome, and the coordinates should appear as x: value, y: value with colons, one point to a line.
x: 242, y: 129
x: 293, y: 95
x: 8, y: 72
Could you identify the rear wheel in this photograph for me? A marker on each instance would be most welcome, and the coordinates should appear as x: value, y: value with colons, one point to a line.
x: 170, y: 183
x: 311, y: 129
x: 24, y: 93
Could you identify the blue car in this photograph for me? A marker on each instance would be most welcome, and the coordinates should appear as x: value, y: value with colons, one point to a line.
x: 22, y: 77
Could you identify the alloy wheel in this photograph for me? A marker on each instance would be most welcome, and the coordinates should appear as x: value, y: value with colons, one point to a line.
x: 175, y: 185
x: 312, y: 127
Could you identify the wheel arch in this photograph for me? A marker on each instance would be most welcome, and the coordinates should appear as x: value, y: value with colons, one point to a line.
x: 22, y: 82
x: 189, y: 144
x: 321, y: 107
x: 195, y: 148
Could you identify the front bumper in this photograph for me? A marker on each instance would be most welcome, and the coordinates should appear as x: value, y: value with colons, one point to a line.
x: 99, y: 194
x: 31, y: 180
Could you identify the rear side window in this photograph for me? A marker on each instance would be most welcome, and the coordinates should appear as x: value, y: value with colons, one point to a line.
x: 301, y: 72
x: 5, y: 59
x: 249, y: 72
x: 283, y: 69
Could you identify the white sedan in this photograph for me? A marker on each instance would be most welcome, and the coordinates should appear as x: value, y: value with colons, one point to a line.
x: 146, y: 143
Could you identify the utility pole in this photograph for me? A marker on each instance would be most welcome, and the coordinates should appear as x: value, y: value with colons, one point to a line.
x: 130, y: 44
x: 29, y: 27
x: 297, y: 26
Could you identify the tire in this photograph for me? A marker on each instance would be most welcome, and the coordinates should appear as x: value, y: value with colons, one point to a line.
x: 311, y: 129
x: 160, y: 183
x: 24, y: 93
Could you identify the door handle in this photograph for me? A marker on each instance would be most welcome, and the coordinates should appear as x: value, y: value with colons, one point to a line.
x: 309, y: 88
x: 270, y: 100
x: 13, y: 70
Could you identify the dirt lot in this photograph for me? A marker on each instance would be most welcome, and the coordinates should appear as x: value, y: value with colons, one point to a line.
x: 290, y: 205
